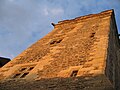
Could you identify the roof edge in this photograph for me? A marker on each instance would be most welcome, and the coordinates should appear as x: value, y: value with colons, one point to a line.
x: 106, y: 13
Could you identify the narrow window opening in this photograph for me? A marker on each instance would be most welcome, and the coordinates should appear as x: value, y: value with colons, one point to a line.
x: 22, y: 69
x: 25, y: 74
x: 52, y: 42
x: 74, y: 73
x: 55, y: 41
x: 31, y: 68
x: 16, y: 75
x: 58, y: 41
x: 92, y: 35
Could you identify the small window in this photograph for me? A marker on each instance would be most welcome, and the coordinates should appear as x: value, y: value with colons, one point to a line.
x: 52, y: 42
x: 92, y: 35
x: 25, y: 74
x: 74, y: 73
x: 55, y: 41
x: 22, y: 69
x: 16, y: 75
x: 58, y: 41
x: 30, y: 68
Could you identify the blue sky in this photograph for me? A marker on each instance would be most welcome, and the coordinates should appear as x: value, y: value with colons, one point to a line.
x: 23, y: 22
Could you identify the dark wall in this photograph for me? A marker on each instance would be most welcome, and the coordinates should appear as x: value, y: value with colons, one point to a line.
x: 76, y: 83
x: 113, y: 57
x: 3, y: 61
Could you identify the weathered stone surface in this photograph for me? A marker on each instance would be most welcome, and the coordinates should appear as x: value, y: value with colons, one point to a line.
x: 73, y: 83
x: 79, y: 54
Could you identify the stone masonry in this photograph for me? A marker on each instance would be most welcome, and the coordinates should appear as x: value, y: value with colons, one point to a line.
x: 79, y: 54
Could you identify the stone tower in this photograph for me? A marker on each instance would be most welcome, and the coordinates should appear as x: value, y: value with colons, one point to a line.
x: 79, y: 54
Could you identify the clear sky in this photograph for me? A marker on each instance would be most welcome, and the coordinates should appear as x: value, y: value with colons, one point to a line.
x: 23, y: 22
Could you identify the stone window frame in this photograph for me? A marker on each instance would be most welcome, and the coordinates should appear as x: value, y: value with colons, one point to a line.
x: 74, y: 73
x: 22, y: 71
x: 55, y: 41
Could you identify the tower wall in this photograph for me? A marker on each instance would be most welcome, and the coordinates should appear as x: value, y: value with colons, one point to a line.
x: 77, y: 54
x: 113, y: 55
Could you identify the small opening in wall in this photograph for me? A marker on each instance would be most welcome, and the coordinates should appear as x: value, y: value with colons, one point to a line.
x: 58, y: 41
x: 31, y: 68
x: 92, y: 35
x: 52, y: 42
x: 55, y: 41
x: 16, y: 75
x: 25, y: 74
x: 74, y: 73
x: 22, y: 69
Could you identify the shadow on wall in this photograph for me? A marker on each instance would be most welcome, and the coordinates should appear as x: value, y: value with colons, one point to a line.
x: 99, y: 82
